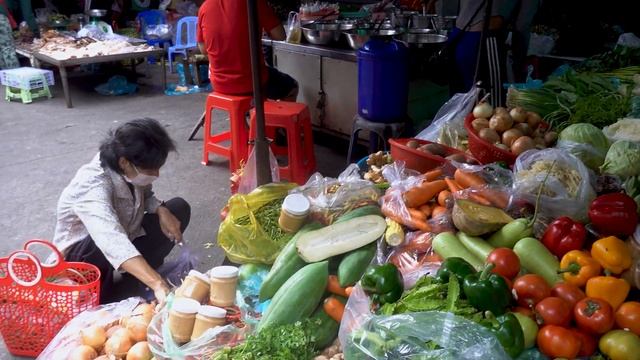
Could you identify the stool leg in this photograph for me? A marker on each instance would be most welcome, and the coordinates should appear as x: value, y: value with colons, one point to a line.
x: 352, y: 141
x: 197, y: 127
x: 380, y: 136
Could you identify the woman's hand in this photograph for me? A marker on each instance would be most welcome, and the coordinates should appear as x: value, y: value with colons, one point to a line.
x: 169, y: 224
x: 160, y: 291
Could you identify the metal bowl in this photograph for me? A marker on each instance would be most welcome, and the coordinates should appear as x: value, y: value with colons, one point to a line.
x: 320, y: 33
x: 97, y: 12
x: 357, y: 37
x: 430, y: 37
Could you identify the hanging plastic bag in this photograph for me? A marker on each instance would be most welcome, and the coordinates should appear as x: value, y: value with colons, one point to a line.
x: 448, y: 125
x: 177, y: 269
x: 330, y: 198
x: 249, y: 177
x: 250, y: 232
x: 294, y: 29
x: 211, y: 341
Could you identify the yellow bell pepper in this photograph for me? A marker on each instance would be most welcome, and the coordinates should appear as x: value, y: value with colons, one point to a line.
x: 608, y: 288
x: 612, y: 254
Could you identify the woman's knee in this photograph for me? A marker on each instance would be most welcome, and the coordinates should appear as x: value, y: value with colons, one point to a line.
x: 181, y: 209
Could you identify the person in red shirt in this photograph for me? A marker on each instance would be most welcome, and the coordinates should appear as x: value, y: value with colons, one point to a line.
x: 223, y: 35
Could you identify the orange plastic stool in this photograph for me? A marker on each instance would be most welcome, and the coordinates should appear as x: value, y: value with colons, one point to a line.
x: 294, y: 118
x: 237, y: 107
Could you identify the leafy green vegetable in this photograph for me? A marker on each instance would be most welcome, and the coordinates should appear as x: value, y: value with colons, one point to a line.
x: 619, y: 57
x: 283, y: 342
x: 586, y: 142
x: 622, y: 159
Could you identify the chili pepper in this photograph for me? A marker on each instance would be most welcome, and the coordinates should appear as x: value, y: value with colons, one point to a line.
x: 608, y: 288
x: 614, y: 214
x: 564, y: 235
x: 508, y: 331
x: 383, y: 283
x: 487, y: 291
x: 456, y: 266
x: 612, y: 254
x: 578, y: 266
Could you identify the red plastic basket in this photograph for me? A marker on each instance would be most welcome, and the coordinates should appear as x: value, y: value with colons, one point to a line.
x: 33, y: 309
x: 416, y: 159
x: 485, y: 152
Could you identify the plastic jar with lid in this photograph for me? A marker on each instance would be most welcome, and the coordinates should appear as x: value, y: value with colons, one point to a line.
x: 207, y: 318
x: 224, y: 280
x: 195, y: 286
x: 182, y: 317
x: 295, y: 209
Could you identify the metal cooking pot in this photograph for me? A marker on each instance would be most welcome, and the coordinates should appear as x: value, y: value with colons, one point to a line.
x: 357, y: 37
x: 321, y: 33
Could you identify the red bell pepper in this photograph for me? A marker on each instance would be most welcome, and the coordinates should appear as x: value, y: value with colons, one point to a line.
x: 564, y: 235
x: 614, y: 214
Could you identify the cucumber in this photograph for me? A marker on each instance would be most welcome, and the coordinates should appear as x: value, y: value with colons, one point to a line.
x: 447, y: 245
x: 285, y: 265
x: 509, y: 234
x: 537, y: 259
x: 298, y: 297
x: 361, y: 211
x: 476, y: 245
x: 355, y: 263
x: 340, y: 238
x: 326, y: 328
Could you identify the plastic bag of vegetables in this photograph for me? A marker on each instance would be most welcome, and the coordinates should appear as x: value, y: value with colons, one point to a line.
x: 586, y: 142
x: 250, y: 232
x: 431, y: 334
x: 567, y: 191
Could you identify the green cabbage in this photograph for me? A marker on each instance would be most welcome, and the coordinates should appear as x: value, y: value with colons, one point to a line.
x: 586, y: 142
x: 622, y: 159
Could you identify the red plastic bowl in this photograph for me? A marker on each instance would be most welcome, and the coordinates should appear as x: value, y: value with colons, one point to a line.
x: 418, y: 160
x: 483, y: 151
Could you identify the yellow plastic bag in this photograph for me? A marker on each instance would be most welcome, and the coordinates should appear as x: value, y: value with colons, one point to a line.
x: 243, y: 238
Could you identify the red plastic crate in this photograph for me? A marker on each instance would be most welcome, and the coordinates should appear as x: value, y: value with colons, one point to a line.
x: 418, y: 160
x: 484, y: 151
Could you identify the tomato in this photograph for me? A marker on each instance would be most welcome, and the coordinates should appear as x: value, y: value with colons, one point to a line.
x: 508, y: 281
x: 588, y: 343
x: 524, y: 311
x: 628, y: 316
x: 530, y: 289
x: 529, y: 329
x: 558, y: 342
x: 506, y: 262
x: 553, y: 311
x: 593, y: 315
x: 568, y: 292
x: 620, y: 345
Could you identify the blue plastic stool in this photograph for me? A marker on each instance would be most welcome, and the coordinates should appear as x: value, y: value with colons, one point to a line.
x: 152, y: 18
x: 181, y: 47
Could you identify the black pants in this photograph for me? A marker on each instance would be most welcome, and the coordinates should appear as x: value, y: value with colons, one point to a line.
x: 154, y: 248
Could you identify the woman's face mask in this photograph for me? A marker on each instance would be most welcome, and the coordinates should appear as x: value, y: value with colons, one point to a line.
x: 140, y: 179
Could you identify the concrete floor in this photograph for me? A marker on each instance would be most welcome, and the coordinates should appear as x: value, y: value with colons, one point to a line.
x: 43, y: 144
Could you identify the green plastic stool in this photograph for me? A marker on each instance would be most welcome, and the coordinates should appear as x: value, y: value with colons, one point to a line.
x: 27, y: 96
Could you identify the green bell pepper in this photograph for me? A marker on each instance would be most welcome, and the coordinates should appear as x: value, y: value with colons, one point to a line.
x: 487, y: 291
x: 383, y: 283
x: 508, y: 331
x: 456, y: 266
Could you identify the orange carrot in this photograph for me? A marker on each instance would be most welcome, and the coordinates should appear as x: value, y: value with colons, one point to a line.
x: 348, y: 290
x: 334, y: 308
x: 438, y: 211
x: 414, y: 224
x: 426, y: 209
x: 479, y: 199
x: 434, y: 174
x: 417, y: 214
x: 444, y: 197
x: 424, y: 192
x: 497, y: 198
x: 453, y: 185
x: 333, y: 286
x: 467, y: 179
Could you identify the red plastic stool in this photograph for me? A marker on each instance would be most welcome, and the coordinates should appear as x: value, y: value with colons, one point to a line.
x: 294, y: 118
x: 237, y: 107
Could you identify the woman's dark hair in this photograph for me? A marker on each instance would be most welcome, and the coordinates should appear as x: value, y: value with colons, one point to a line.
x: 144, y: 142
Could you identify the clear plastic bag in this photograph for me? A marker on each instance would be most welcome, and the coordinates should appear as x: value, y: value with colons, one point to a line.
x: 568, y: 190
x: 69, y: 336
x: 625, y: 129
x: 294, y: 29
x: 448, y: 125
x: 177, y: 269
x: 330, y: 198
x: 164, y: 347
x: 424, y: 335
x: 592, y: 157
x: 249, y: 177
x: 415, y: 258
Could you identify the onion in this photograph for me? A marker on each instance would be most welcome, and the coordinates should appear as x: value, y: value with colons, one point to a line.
x: 518, y: 114
x: 83, y: 352
x: 501, y: 110
x: 94, y: 336
x: 550, y: 138
x: 139, y: 351
x: 502, y: 147
x: 113, y: 329
x: 482, y: 110
x: 480, y: 123
x: 501, y: 122
x: 118, y: 345
x: 146, y: 310
x: 106, y: 357
x: 533, y: 119
x: 522, y: 144
x: 413, y: 144
x: 510, y: 136
x: 524, y: 128
x: 489, y: 135
x: 137, y: 328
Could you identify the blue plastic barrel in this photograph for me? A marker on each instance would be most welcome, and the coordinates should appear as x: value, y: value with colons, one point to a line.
x: 383, y: 82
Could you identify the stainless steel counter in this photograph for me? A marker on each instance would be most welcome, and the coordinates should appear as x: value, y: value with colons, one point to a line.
x: 309, y: 49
